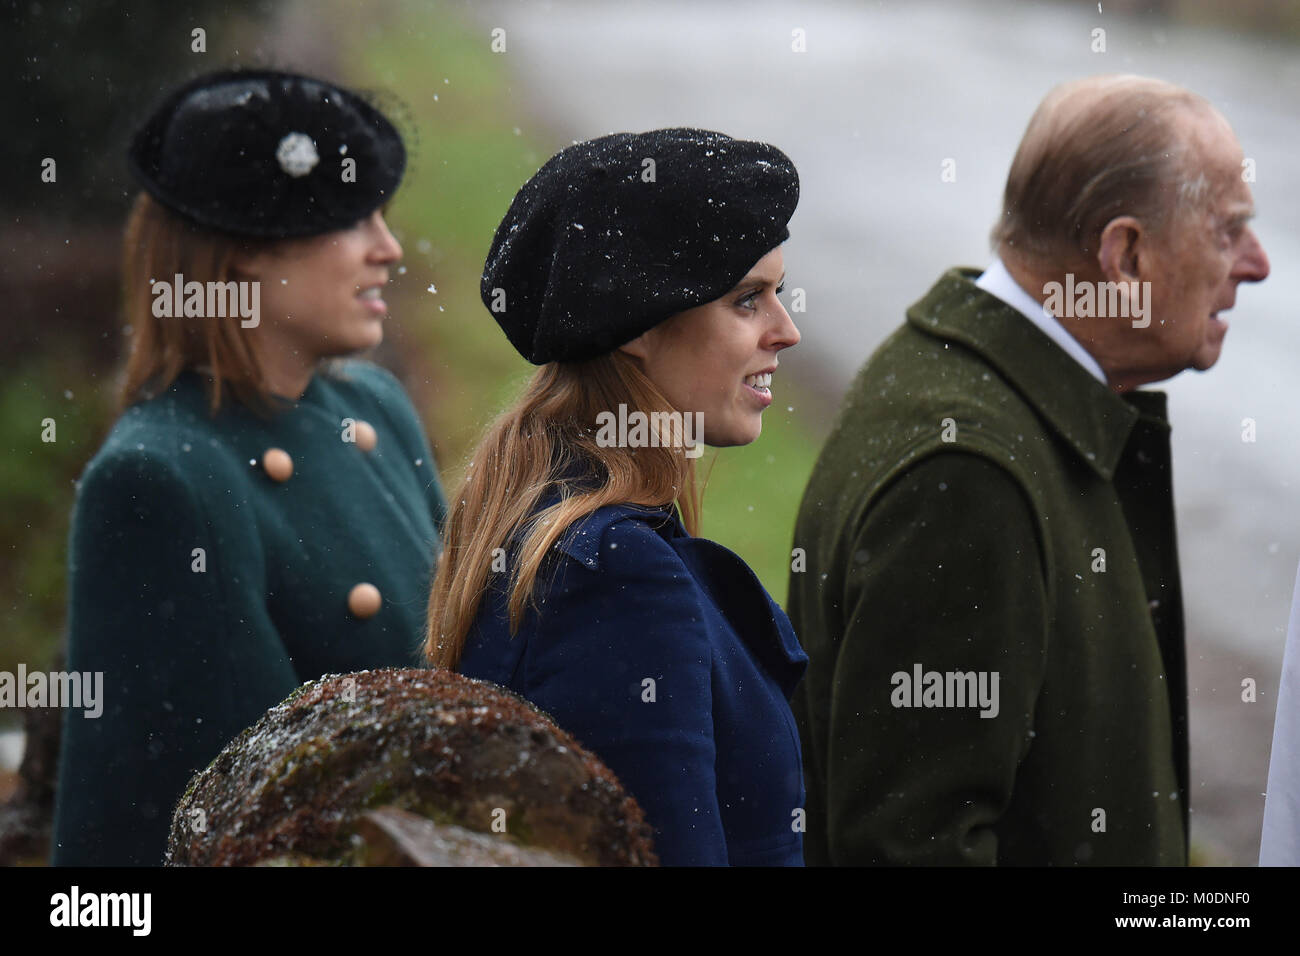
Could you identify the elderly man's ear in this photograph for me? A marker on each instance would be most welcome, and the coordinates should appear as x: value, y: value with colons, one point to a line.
x: 1123, y: 240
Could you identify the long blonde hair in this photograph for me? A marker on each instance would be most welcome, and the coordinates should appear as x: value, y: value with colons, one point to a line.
x: 545, y: 439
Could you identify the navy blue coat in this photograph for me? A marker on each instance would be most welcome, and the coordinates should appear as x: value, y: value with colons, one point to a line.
x: 710, y: 749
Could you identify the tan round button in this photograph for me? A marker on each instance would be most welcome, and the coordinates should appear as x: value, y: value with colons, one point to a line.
x: 366, y: 436
x: 364, y: 600
x: 277, y: 464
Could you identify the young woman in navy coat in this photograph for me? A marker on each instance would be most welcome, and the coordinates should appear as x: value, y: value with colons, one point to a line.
x: 641, y: 272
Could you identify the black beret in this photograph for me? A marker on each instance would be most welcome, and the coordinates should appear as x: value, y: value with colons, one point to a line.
x: 616, y: 234
x: 260, y: 153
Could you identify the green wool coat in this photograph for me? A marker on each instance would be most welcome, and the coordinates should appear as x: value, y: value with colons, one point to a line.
x: 195, y: 646
x: 985, y: 508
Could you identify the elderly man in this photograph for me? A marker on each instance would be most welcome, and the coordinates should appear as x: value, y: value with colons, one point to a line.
x: 991, y: 601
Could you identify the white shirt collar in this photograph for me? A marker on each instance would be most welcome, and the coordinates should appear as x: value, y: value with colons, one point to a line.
x: 997, y: 281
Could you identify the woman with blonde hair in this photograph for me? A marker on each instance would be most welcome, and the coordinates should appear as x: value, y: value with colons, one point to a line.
x: 641, y: 272
x: 262, y: 511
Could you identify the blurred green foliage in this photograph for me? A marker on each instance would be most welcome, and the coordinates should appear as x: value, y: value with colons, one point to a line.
x: 37, y: 481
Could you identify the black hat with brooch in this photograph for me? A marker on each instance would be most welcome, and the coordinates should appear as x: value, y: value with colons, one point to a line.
x: 616, y: 234
x: 268, y: 154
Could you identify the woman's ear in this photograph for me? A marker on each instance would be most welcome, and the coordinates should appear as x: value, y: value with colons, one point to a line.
x: 251, y: 265
x: 261, y: 260
x: 639, y: 347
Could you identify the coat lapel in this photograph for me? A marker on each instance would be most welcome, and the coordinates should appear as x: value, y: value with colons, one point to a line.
x: 1088, y: 416
x: 749, y: 609
x: 728, y: 580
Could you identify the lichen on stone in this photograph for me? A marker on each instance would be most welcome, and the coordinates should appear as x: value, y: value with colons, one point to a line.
x: 295, y: 787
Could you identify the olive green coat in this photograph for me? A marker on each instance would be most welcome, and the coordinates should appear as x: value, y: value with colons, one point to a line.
x: 206, y: 592
x: 984, y: 504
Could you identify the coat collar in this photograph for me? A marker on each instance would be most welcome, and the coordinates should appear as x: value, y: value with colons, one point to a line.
x: 582, y: 540
x: 1089, y: 417
x: 750, y: 610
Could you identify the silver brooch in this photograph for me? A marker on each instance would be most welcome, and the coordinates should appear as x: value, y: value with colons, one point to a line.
x: 297, y: 154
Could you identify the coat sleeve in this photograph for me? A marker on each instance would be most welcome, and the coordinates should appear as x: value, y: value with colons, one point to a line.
x: 944, y: 572
x: 188, y: 654
x: 622, y: 661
